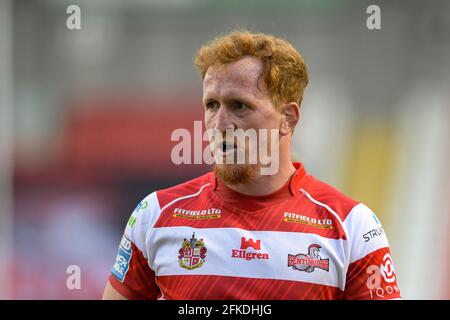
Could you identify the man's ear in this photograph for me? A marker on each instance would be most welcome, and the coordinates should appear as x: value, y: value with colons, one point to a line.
x: 290, y: 116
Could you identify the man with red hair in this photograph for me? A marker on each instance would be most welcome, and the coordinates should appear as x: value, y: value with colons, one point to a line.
x: 237, y: 233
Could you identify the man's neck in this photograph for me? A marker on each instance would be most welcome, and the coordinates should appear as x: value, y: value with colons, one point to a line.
x: 266, y: 184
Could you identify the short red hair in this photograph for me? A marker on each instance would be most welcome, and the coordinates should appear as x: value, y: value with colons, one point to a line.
x: 284, y: 69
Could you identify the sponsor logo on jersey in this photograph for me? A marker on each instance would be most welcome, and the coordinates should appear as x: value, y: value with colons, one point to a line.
x: 385, y: 271
x: 120, y: 268
x: 376, y: 219
x: 244, y: 253
x: 211, y: 213
x: 373, y: 234
x: 141, y: 206
x: 132, y: 221
x: 316, y: 223
x: 310, y: 261
x: 245, y: 244
x: 192, y: 253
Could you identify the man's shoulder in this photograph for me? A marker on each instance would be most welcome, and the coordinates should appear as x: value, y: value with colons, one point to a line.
x: 326, y: 195
x: 149, y: 209
x: 185, y: 189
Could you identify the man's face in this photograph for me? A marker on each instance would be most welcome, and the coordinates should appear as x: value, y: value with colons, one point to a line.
x: 235, y: 96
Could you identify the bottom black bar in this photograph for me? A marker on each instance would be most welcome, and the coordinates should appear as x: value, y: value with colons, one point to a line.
x: 220, y: 309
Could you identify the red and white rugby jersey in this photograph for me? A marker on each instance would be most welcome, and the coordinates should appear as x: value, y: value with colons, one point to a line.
x: 202, y: 240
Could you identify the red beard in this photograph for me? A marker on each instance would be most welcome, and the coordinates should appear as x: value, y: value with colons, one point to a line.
x: 236, y: 173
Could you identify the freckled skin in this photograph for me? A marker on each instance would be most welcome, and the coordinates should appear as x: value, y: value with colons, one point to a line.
x: 239, y: 81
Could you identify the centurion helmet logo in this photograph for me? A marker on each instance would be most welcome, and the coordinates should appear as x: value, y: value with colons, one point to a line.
x: 308, y: 262
x: 192, y: 253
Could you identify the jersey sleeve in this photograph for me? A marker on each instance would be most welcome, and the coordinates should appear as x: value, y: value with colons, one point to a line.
x: 131, y: 274
x: 371, y: 274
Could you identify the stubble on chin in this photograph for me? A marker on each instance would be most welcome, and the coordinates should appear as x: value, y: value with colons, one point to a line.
x: 235, y: 174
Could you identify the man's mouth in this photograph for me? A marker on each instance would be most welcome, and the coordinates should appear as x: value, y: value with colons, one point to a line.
x: 226, y: 147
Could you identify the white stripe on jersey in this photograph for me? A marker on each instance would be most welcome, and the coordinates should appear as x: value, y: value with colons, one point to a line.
x: 155, y: 215
x: 146, y: 220
x: 221, y: 241
x: 359, y: 222
x: 147, y: 217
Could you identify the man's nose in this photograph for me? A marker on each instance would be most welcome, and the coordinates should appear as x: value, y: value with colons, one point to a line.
x: 224, y: 119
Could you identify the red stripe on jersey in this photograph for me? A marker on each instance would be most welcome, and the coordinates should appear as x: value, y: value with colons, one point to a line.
x: 190, y: 187
x: 372, y: 278
x: 189, y: 287
x: 326, y: 194
x: 139, y: 282
x: 297, y: 215
x: 305, y: 215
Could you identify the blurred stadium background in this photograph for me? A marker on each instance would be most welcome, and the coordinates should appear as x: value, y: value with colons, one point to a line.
x: 86, y: 117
